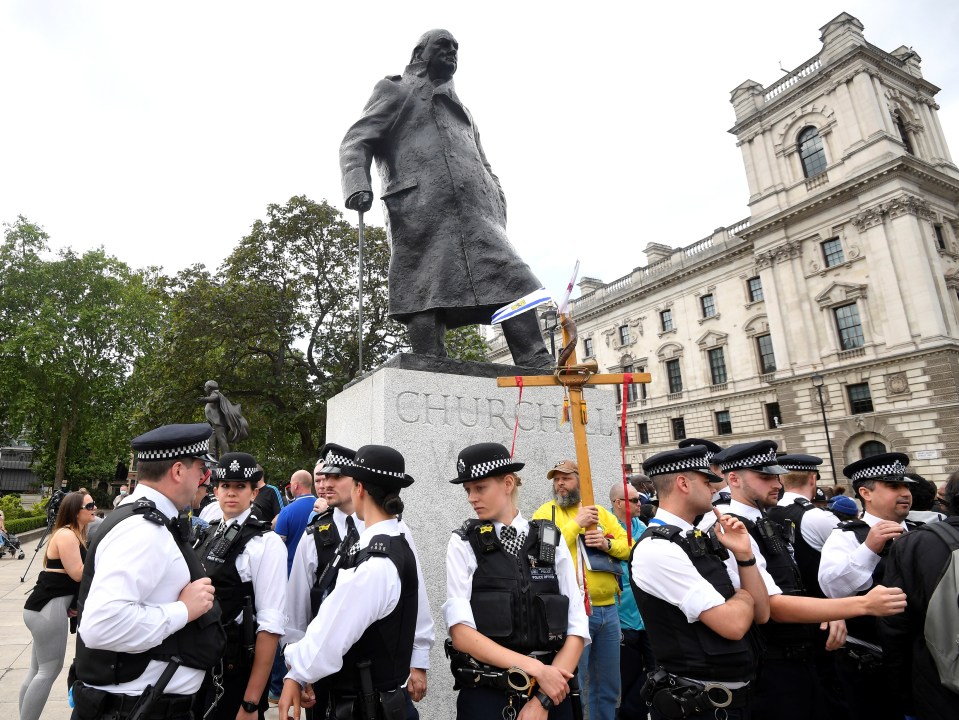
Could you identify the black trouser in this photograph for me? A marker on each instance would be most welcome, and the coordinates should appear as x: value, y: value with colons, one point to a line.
x: 319, y: 711
x: 787, y: 689
x: 485, y: 703
x: 635, y: 660
x: 833, y: 704
x: 867, y: 688
x: 234, y: 688
x: 94, y: 704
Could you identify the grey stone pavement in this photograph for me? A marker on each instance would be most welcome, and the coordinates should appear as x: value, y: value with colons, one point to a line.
x: 15, y: 640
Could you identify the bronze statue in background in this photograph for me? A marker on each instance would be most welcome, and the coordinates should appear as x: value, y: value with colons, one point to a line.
x: 451, y: 263
x: 228, y: 423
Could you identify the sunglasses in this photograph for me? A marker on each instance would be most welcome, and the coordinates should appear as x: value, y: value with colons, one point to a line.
x: 90, y: 506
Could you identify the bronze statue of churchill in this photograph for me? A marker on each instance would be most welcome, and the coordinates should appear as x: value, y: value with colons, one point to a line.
x: 451, y: 262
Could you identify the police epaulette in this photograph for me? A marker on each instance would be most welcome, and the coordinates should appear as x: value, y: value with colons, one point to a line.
x: 666, y: 532
x: 464, y: 530
x: 148, y: 509
x: 852, y: 524
x: 379, y: 545
x: 317, y: 520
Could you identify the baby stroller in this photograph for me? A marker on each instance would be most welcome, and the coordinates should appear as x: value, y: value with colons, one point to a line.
x: 10, y: 543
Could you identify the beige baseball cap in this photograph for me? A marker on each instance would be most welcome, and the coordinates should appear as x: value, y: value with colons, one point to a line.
x: 563, y: 466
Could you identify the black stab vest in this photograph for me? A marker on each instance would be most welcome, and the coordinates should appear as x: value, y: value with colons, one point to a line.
x: 867, y: 627
x: 231, y: 592
x: 327, y: 538
x: 388, y: 642
x: 200, y: 643
x: 808, y: 558
x: 774, y: 540
x: 516, y: 600
x: 693, y: 649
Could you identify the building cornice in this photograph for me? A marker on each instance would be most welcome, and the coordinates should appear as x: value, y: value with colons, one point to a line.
x: 897, y: 167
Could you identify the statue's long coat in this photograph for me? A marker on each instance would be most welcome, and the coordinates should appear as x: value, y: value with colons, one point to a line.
x: 445, y: 210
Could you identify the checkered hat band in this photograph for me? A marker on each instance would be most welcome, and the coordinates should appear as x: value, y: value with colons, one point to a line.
x: 797, y: 467
x: 334, y: 460
x: 485, y: 468
x: 694, y: 463
x: 199, y: 448
x: 382, y: 472
x: 766, y: 458
x: 878, y: 471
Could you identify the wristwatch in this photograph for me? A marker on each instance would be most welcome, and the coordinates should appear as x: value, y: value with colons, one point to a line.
x: 544, y: 700
x: 250, y: 707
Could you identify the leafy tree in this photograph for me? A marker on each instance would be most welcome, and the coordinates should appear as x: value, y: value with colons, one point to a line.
x: 276, y: 328
x: 70, y: 327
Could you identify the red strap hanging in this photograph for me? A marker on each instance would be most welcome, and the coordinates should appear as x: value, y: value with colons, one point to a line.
x: 627, y: 380
x: 519, y: 384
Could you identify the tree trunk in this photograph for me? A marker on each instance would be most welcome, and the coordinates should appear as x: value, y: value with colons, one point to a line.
x: 66, y: 428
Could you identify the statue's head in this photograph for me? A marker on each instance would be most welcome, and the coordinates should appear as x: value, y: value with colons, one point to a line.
x: 211, y: 385
x: 438, y: 49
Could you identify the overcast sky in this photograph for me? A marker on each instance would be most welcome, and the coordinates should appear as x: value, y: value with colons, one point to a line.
x: 162, y: 130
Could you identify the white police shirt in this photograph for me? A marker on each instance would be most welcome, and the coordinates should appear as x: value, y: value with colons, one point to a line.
x: 363, y: 595
x: 263, y: 562
x: 303, y: 576
x: 847, y: 566
x: 817, y: 524
x: 461, y: 564
x: 132, y: 604
x: 211, y: 512
x: 735, y: 507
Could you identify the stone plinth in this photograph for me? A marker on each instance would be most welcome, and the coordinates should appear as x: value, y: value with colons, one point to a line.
x: 430, y: 416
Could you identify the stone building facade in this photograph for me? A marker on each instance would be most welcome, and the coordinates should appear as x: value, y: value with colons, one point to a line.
x: 845, y: 275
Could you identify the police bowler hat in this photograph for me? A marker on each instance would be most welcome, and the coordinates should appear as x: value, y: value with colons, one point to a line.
x: 237, y: 467
x: 484, y: 460
x: 379, y: 465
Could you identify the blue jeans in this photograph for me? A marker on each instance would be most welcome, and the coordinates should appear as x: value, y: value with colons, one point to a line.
x: 599, y: 664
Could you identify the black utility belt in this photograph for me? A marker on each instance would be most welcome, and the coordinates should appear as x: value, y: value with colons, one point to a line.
x: 93, y: 703
x: 798, y: 651
x: 863, y: 657
x: 470, y: 672
x: 676, y: 698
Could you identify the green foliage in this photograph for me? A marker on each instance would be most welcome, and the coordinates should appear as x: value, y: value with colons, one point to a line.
x: 276, y: 328
x: 12, y: 507
x: 70, y: 328
x: 467, y: 343
x: 21, y: 525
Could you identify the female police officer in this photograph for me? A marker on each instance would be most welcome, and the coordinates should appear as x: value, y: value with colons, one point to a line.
x: 360, y: 644
x: 509, y: 644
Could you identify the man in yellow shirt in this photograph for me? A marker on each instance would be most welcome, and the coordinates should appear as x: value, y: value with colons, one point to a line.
x: 599, y: 663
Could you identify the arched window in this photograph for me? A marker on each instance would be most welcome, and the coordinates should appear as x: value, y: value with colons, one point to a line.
x: 901, y: 127
x: 811, y: 152
x: 871, y: 448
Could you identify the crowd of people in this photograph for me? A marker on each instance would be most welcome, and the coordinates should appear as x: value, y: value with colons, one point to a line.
x: 721, y: 583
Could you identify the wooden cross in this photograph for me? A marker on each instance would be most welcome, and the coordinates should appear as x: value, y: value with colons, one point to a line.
x: 574, y: 377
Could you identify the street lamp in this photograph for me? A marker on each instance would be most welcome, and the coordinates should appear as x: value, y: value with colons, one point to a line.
x: 818, y: 381
x: 549, y: 325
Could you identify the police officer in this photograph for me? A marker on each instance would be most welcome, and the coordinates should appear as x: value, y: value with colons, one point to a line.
x: 721, y: 492
x: 323, y: 552
x: 516, y: 620
x: 788, y: 685
x: 813, y: 525
x: 148, y: 617
x: 699, y: 611
x: 853, y: 561
x: 360, y: 644
x: 246, y: 561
